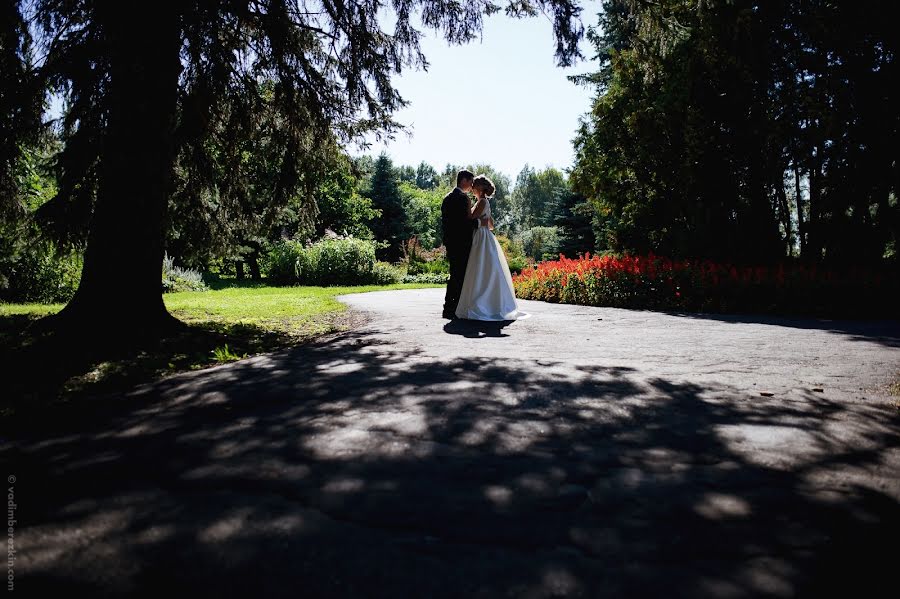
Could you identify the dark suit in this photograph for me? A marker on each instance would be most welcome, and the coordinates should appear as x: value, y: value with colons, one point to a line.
x: 458, y: 229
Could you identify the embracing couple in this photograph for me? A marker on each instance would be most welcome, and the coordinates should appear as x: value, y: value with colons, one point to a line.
x: 480, y: 286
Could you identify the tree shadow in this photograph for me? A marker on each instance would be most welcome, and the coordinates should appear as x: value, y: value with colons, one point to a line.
x: 884, y: 332
x: 63, y: 371
x: 353, y: 468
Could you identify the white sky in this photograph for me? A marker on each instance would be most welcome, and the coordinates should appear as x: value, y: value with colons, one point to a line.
x: 526, y: 111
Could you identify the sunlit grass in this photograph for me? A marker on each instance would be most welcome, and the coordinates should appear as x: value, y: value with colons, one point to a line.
x: 291, y: 310
x: 286, y: 309
x: 29, y: 309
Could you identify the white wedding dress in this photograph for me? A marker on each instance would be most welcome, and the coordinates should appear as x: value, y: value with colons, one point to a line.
x: 487, y: 291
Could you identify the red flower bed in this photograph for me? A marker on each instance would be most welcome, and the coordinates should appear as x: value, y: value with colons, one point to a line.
x: 659, y: 283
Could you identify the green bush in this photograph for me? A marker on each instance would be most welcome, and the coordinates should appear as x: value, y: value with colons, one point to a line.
x: 338, y: 261
x: 175, y: 278
x: 41, y: 274
x: 386, y: 274
x: 421, y: 261
x: 282, y: 263
x: 429, y: 278
x: 517, y: 264
x: 437, y: 266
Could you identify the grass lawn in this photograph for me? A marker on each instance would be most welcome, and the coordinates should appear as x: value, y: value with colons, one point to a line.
x: 233, y: 321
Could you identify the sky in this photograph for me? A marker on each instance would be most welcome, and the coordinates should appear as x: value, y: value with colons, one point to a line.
x: 500, y: 101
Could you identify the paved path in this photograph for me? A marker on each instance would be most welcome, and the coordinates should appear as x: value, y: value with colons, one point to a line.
x: 585, y: 452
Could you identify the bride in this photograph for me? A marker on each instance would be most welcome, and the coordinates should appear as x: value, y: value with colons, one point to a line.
x: 487, y: 290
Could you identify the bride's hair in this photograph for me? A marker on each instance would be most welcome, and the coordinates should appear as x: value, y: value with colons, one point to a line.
x: 484, y: 183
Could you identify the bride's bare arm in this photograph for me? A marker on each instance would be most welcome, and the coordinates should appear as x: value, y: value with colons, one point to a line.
x: 477, y: 209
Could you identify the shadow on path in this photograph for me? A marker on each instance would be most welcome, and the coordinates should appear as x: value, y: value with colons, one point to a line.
x: 477, y: 328
x: 350, y: 468
x: 884, y: 332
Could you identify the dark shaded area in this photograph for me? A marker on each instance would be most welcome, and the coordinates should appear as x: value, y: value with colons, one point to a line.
x: 884, y: 332
x: 350, y: 469
x: 44, y: 369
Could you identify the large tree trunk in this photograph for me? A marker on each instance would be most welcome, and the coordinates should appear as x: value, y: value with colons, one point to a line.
x: 815, y: 225
x: 801, y: 227
x: 120, y: 293
x: 785, y: 213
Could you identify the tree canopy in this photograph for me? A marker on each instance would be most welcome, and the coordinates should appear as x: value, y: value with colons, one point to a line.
x: 744, y: 130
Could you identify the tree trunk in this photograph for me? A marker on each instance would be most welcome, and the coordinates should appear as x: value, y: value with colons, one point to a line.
x: 801, y: 227
x: 120, y: 293
x: 785, y: 211
x: 815, y: 225
x: 253, y: 263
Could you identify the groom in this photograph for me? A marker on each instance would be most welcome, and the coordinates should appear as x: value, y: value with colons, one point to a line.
x: 458, y: 229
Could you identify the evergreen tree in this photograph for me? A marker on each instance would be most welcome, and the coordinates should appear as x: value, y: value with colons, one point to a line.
x: 426, y: 176
x: 573, y: 216
x: 390, y: 225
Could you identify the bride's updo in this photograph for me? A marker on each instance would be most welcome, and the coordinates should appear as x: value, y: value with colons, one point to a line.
x: 483, y: 183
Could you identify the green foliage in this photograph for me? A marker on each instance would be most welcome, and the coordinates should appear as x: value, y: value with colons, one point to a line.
x: 742, y: 131
x: 41, y: 273
x: 423, y: 261
x: 428, y: 278
x: 535, y: 197
x: 176, y: 278
x: 517, y: 264
x: 426, y: 176
x: 422, y: 210
x: 573, y: 216
x: 540, y: 243
x: 225, y: 354
x: 341, y: 208
x: 438, y: 266
x: 340, y: 261
x: 391, y: 224
x: 384, y: 273
x: 32, y: 269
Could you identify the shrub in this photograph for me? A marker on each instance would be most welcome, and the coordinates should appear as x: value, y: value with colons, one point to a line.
x: 517, y: 264
x: 41, y: 274
x: 175, y: 278
x: 438, y: 266
x: 335, y: 261
x: 282, y: 262
x: 428, y: 278
x: 422, y: 261
x: 386, y: 274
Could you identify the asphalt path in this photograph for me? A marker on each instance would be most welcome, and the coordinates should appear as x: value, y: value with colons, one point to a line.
x: 583, y: 452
